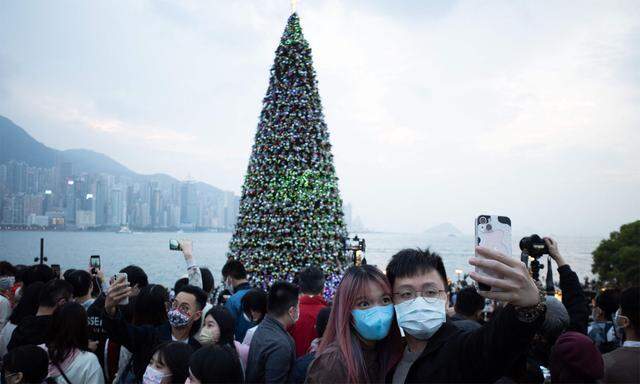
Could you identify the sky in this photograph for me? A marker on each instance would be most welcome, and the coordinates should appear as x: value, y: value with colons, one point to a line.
x: 438, y: 111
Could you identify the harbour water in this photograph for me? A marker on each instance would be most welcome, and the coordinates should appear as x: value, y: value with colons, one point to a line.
x: 151, y: 250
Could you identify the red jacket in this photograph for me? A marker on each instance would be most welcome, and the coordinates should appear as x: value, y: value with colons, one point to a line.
x: 304, y: 330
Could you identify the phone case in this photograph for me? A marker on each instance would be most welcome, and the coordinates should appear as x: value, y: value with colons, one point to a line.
x: 493, y: 232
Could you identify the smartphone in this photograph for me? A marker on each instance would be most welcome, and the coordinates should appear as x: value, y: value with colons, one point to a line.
x: 94, y: 261
x: 493, y: 232
x: 124, y: 277
x: 174, y: 245
x: 56, y: 270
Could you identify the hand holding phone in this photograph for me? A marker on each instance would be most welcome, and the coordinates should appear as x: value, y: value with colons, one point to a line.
x: 514, y: 284
x: 492, y: 232
x: 118, y: 293
x: 94, y: 263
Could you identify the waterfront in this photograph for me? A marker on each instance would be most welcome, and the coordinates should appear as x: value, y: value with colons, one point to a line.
x: 151, y: 250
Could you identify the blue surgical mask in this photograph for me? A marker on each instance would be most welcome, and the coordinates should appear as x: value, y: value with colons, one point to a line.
x: 373, y: 323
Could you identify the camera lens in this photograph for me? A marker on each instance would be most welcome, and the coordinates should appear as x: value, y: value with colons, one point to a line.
x: 483, y: 220
x: 489, y: 227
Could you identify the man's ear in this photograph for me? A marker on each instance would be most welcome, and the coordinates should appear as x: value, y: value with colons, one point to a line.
x: 19, y: 377
x: 197, y: 315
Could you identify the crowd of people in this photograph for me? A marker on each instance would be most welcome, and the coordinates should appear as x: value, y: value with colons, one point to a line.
x: 400, y: 325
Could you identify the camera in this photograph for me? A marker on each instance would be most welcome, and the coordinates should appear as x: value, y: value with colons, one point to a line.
x: 534, y: 246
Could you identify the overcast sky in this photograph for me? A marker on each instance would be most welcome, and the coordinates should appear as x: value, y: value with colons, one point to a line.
x: 438, y: 111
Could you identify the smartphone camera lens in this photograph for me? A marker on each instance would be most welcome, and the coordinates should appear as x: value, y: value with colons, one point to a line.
x: 489, y: 227
x: 483, y: 220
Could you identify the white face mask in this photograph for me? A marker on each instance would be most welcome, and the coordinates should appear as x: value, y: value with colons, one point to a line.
x: 153, y: 376
x: 421, y: 318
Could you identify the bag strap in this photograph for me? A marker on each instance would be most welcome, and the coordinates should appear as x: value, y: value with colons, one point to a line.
x: 62, y: 373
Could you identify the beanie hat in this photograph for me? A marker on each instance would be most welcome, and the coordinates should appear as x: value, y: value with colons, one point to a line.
x: 575, y: 358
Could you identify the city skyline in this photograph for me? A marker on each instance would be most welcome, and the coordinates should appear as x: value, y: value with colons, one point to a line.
x: 61, y: 197
x: 437, y: 112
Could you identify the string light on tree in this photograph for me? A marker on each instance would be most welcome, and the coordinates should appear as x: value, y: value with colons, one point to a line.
x: 290, y: 209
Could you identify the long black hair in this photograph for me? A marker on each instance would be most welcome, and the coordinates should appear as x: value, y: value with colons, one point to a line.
x: 175, y: 356
x: 67, y: 331
x: 32, y: 361
x: 216, y: 364
x: 150, y: 305
x: 225, y: 321
x: 28, y: 304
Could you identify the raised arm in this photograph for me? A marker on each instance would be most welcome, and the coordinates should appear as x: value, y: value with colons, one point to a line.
x: 131, y: 336
x: 195, y: 276
x: 493, y: 349
x: 573, y: 296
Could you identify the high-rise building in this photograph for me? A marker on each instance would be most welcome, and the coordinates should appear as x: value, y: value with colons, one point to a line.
x: 118, y: 207
x: 188, y: 203
x: 231, y: 207
x: 70, y: 202
x: 101, y: 201
x: 154, y: 205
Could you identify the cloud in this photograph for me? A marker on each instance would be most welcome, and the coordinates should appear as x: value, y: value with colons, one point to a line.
x: 436, y: 111
x: 75, y: 112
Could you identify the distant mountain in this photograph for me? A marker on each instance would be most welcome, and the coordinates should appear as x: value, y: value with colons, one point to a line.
x: 17, y: 144
x: 88, y: 161
x: 444, y: 229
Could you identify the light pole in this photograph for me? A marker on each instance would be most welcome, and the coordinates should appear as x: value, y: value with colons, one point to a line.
x: 458, y: 272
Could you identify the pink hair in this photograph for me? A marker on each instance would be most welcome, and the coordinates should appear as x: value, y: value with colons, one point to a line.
x: 340, y: 342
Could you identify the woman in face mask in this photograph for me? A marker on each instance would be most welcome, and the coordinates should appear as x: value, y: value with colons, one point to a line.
x: 218, y: 330
x: 169, y: 364
x: 361, y: 340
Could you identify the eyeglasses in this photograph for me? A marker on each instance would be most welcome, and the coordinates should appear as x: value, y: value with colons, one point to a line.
x: 430, y: 295
x: 184, y: 308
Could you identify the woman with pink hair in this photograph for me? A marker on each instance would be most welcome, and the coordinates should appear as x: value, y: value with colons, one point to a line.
x: 362, y: 339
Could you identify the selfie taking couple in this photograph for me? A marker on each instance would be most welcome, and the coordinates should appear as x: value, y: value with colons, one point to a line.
x: 362, y: 341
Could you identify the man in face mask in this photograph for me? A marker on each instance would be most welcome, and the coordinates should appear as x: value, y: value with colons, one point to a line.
x: 273, y: 351
x: 183, y: 322
x: 33, y: 329
x: 235, y: 280
x: 621, y: 365
x: 436, y: 350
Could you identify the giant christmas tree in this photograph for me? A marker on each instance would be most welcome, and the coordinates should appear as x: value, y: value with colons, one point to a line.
x: 290, y: 211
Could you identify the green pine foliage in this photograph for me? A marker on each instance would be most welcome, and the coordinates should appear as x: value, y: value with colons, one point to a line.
x: 290, y: 210
x: 617, y: 259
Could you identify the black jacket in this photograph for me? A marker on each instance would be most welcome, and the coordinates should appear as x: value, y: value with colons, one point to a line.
x: 574, y: 300
x: 483, y: 355
x: 140, y: 340
x: 31, y: 330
